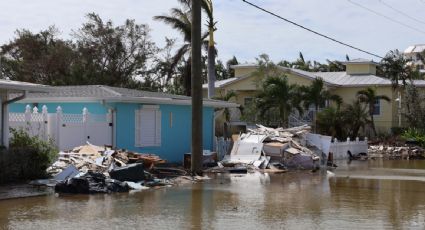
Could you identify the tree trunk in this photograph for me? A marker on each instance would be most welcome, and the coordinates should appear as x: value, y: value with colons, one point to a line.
x: 187, y: 78
x: 211, y: 64
x: 196, y: 73
x: 371, y: 119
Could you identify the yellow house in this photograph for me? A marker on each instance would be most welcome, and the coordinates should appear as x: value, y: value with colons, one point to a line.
x: 360, y: 74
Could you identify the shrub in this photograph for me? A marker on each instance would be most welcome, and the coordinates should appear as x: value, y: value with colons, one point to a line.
x: 27, y: 158
x: 416, y: 135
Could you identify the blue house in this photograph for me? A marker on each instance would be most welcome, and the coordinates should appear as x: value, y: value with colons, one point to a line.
x: 145, y: 122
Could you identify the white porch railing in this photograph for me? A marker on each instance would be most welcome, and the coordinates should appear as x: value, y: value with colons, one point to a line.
x: 339, y: 149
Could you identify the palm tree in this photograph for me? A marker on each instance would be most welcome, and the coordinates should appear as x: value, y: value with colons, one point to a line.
x: 356, y: 117
x: 301, y: 64
x: 207, y: 6
x: 330, y: 121
x: 278, y: 94
x: 180, y: 20
x: 394, y: 66
x: 317, y: 95
x: 369, y: 97
x: 229, y: 95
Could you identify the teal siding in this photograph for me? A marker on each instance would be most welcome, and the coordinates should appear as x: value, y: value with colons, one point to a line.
x: 67, y: 107
x: 175, y: 138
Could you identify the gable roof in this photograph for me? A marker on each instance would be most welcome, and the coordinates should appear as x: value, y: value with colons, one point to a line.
x: 333, y: 79
x: 115, y: 94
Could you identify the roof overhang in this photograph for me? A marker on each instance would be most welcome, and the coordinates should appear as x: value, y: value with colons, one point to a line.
x: 244, y: 66
x: 16, y: 86
x: 147, y: 100
x: 360, y: 63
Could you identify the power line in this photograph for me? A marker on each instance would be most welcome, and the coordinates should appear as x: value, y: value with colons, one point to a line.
x: 385, y: 16
x: 310, y: 30
x: 401, y: 12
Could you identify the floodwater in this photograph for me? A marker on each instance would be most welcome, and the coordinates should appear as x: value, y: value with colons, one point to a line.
x: 361, y: 195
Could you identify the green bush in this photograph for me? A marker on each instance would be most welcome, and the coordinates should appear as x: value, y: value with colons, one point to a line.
x: 413, y: 134
x: 27, y: 158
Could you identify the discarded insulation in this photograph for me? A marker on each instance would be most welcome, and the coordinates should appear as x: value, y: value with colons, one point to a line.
x: 269, y: 148
x: 396, y: 152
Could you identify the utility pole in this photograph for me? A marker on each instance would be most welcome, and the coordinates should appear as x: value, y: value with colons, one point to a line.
x: 196, y: 158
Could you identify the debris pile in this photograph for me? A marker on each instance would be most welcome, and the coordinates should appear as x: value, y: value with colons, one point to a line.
x: 94, y: 169
x: 100, y: 159
x: 396, y: 152
x: 271, y: 149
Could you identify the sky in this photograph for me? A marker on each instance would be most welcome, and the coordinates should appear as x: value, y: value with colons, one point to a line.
x: 242, y: 30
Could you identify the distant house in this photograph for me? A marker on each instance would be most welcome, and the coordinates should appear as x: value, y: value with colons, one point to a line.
x: 146, y: 122
x: 359, y: 74
x: 416, y: 54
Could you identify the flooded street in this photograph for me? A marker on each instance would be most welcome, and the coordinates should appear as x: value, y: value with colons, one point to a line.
x: 362, y: 195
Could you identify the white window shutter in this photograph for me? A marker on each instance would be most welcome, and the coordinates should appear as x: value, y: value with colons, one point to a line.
x: 148, y: 127
x: 158, y: 128
x: 137, y: 125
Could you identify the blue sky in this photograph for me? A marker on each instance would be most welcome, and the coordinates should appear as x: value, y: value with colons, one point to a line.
x: 242, y: 30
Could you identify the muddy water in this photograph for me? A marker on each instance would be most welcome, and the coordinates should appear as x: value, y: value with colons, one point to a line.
x: 361, y: 195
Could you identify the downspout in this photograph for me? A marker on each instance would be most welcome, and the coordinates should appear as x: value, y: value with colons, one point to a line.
x: 5, y: 116
x: 114, y: 121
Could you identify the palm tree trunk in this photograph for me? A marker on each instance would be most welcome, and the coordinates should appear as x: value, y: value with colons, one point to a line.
x: 211, y: 64
x: 371, y: 119
x: 187, y: 78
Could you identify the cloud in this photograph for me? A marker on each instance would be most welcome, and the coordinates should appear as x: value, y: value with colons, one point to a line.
x: 243, y: 31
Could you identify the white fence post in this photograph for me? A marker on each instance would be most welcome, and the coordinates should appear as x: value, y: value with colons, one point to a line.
x: 27, y: 113
x: 58, y: 125
x: 44, y: 114
x: 85, y: 121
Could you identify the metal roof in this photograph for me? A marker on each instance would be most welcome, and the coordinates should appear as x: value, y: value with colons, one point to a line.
x: 415, y: 48
x: 341, y: 79
x: 115, y: 94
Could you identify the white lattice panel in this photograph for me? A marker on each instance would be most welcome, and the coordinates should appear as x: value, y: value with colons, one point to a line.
x: 17, y: 117
x: 72, y: 118
x: 36, y: 117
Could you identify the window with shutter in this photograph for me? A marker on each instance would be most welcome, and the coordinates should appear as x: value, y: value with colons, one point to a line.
x: 148, y: 127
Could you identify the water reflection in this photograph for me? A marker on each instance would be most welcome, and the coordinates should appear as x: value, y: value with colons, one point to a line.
x: 268, y: 201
